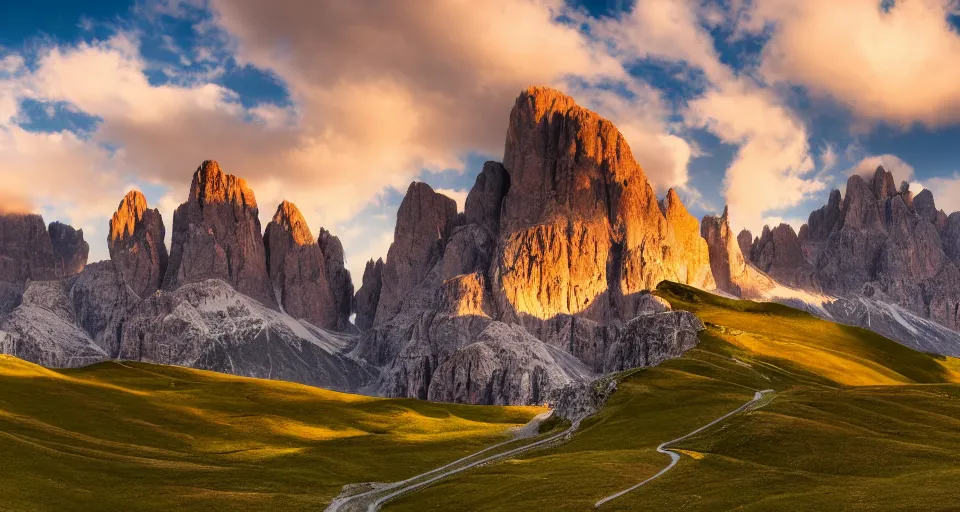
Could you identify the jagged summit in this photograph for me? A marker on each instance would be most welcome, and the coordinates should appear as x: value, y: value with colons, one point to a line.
x: 211, y: 185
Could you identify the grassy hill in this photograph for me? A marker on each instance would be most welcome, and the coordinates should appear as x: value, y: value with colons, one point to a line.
x: 132, y: 436
x: 858, y: 422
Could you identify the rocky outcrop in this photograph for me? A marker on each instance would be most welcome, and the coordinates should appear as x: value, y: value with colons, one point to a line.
x: 26, y: 254
x: 733, y: 274
x: 101, y: 300
x: 298, y: 269
x: 210, y: 325
x: 368, y: 296
x: 216, y: 235
x: 341, y: 285
x: 505, y: 365
x: 424, y: 220
x: 745, y: 241
x: 43, y: 329
x: 69, y: 249
x: 532, y: 287
x: 648, y: 340
x: 136, y: 244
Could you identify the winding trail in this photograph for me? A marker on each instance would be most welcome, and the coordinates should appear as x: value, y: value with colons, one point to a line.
x: 356, y: 502
x: 674, y: 456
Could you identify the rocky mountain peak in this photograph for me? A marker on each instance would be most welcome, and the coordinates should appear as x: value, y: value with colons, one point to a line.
x: 211, y: 185
x: 136, y: 244
x: 26, y: 253
x: 882, y: 184
x: 298, y: 269
x: 368, y: 296
x: 745, y: 241
x: 128, y: 214
x: 69, y: 248
x: 580, y: 223
x: 341, y: 284
x: 289, y: 219
x: 486, y: 197
x: 424, y: 220
x: 216, y: 235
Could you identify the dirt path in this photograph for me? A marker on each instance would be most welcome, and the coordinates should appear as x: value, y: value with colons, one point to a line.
x: 373, y: 499
x: 675, y: 457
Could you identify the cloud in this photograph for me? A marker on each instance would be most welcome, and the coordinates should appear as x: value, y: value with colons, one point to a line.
x: 896, y: 63
x: 946, y: 192
x: 902, y: 171
x: 769, y: 171
x: 828, y: 159
x: 460, y: 196
x: 378, y: 93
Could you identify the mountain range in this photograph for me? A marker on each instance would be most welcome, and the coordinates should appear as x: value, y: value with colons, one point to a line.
x: 542, y: 281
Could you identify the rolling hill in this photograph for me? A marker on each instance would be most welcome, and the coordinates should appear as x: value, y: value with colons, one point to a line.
x: 856, y: 422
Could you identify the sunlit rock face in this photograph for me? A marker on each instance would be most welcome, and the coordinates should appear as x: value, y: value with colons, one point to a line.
x: 533, y: 286
x: 136, y: 244
x: 580, y: 226
x: 217, y: 235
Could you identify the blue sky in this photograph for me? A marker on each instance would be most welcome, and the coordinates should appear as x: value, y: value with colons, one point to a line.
x: 337, y: 107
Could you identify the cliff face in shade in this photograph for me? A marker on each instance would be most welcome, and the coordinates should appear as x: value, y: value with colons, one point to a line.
x: 486, y: 197
x: 341, y: 284
x: 423, y: 222
x: 297, y: 268
x: 733, y: 274
x: 779, y: 253
x: 136, y: 244
x: 216, y: 235
x: 368, y: 296
x: 69, y: 249
x: 26, y: 253
x: 580, y: 226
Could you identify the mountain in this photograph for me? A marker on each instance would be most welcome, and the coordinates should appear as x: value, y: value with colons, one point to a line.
x: 877, y: 257
x: 542, y: 282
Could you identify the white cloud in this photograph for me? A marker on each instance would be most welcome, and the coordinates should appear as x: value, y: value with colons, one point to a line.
x: 828, y: 159
x: 946, y: 192
x: 770, y: 170
x: 900, y: 65
x: 460, y: 196
x: 378, y: 93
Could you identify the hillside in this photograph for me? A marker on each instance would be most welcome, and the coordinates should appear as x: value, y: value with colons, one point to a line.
x: 857, y: 422
x: 137, y: 436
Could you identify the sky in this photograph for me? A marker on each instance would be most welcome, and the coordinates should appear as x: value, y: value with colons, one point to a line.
x: 760, y: 105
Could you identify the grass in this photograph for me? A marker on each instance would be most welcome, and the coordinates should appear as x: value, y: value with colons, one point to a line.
x: 858, y: 422
x: 117, y: 436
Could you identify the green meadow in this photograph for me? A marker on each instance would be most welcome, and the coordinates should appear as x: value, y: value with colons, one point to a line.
x: 857, y: 422
x: 133, y: 436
